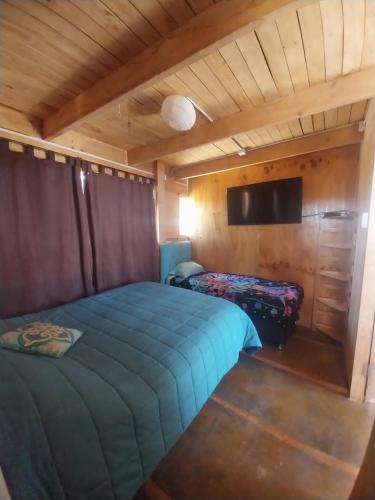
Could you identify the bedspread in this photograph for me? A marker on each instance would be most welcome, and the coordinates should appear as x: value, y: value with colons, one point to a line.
x: 95, y: 423
x: 277, y: 301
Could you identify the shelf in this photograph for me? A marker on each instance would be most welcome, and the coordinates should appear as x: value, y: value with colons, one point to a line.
x: 334, y: 230
x: 334, y: 304
x: 341, y: 246
x: 339, y: 214
x: 329, y: 330
x: 335, y: 275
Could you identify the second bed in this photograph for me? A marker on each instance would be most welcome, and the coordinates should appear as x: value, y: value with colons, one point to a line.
x: 273, y: 306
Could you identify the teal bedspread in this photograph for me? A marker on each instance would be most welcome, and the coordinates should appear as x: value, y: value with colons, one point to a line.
x: 95, y: 423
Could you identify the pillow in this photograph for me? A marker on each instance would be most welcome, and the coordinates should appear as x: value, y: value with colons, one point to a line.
x: 185, y: 269
x: 40, y: 338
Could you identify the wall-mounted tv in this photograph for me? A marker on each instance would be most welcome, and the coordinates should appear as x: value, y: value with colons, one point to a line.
x: 274, y: 202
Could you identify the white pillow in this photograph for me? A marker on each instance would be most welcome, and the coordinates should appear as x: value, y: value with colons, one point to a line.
x: 185, y: 269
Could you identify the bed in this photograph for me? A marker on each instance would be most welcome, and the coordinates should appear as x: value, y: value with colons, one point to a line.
x: 95, y: 423
x: 273, y: 306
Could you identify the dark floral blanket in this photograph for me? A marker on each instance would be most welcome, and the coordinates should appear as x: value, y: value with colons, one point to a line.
x: 261, y: 299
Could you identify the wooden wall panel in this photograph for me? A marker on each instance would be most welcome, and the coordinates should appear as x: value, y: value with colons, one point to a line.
x: 286, y: 252
x: 168, y: 192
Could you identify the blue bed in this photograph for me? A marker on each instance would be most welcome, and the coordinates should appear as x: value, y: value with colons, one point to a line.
x: 95, y: 423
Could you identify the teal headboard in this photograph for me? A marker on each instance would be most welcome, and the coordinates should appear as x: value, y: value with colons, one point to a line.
x: 172, y: 254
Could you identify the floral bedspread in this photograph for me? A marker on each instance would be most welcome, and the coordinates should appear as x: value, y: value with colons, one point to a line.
x: 278, y: 301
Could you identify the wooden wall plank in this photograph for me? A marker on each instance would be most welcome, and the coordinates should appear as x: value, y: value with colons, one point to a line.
x: 291, y: 38
x: 213, y: 84
x: 20, y: 42
x: 208, y: 98
x: 253, y: 55
x: 270, y: 41
x: 130, y: 15
x: 218, y: 66
x: 180, y: 11
x: 237, y: 64
x: 295, y: 128
x: 253, y: 249
x: 313, y: 43
x: 333, y: 33
x: 113, y: 25
x: 368, y: 54
x: 358, y: 111
x: 168, y: 192
x: 354, y: 32
x: 157, y: 16
x: 285, y: 130
x: 64, y: 47
x: 68, y: 20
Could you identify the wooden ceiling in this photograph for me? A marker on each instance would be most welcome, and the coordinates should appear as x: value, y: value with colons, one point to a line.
x: 52, y: 50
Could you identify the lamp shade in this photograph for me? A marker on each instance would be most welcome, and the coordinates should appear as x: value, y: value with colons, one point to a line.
x: 178, y: 112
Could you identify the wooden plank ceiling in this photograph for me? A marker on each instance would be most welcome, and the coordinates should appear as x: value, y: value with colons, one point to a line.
x: 52, y: 50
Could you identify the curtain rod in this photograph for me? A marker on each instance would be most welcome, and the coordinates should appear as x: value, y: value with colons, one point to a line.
x: 42, y: 142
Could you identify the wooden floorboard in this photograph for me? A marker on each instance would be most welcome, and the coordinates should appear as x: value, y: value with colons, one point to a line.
x: 267, y: 433
x: 312, y: 356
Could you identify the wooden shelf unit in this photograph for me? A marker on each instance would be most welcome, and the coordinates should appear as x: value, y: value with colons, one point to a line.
x: 334, y: 304
x: 340, y: 246
x: 333, y: 275
x: 329, y: 331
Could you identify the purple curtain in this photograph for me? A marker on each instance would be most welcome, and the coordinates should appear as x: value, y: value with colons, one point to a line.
x: 123, y: 230
x: 45, y: 251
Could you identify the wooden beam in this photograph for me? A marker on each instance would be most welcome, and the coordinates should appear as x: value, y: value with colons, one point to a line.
x: 213, y: 28
x: 329, y: 95
x: 20, y: 122
x: 362, y: 297
x: 286, y: 149
x: 19, y: 127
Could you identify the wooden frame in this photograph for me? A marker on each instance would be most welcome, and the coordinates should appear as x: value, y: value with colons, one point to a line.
x: 295, y: 147
x: 18, y: 127
x: 362, y: 305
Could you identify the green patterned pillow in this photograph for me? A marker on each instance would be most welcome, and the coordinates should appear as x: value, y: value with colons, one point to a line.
x: 40, y: 338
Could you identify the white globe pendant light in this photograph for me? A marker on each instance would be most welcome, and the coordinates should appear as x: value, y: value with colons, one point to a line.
x: 178, y: 112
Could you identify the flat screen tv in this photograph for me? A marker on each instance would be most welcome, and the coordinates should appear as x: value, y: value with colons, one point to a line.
x: 274, y: 202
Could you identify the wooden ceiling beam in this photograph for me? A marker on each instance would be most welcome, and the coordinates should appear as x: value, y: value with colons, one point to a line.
x: 20, y: 127
x: 345, y: 90
x: 303, y: 145
x: 217, y: 25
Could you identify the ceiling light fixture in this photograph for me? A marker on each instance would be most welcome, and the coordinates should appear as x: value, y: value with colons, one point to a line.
x: 178, y: 112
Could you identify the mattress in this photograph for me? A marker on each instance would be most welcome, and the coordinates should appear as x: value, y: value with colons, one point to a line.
x: 273, y: 306
x: 95, y: 423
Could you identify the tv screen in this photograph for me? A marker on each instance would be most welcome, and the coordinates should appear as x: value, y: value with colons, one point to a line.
x: 275, y: 202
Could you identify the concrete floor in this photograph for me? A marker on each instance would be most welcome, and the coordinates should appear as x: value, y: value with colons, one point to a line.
x: 312, y: 356
x: 277, y: 427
